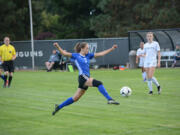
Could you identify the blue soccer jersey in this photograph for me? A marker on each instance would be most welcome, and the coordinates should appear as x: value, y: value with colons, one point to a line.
x: 82, y: 62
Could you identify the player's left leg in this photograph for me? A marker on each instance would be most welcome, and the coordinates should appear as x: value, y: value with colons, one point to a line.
x: 10, y: 79
x: 154, y: 80
x: 11, y: 71
x: 6, y: 74
x: 95, y: 83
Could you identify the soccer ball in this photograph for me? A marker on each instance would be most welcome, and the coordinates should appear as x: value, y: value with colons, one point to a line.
x: 125, y: 91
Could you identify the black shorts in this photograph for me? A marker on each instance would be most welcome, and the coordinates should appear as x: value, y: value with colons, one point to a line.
x: 82, y: 79
x: 8, y: 66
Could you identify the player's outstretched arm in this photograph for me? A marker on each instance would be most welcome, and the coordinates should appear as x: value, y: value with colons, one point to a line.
x: 63, y: 52
x: 99, y: 54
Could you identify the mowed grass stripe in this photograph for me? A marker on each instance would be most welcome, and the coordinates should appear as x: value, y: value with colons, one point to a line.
x: 26, y: 107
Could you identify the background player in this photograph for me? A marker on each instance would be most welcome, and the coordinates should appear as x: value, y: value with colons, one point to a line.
x: 140, y: 58
x: 54, y: 59
x: 82, y: 60
x: 151, y: 50
x: 176, y: 56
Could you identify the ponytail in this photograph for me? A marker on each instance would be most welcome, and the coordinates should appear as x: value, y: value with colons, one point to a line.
x: 79, y: 46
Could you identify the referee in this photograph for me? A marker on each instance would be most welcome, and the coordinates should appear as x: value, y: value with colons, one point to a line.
x: 7, y: 56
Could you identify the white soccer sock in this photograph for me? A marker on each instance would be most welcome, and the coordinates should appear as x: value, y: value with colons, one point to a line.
x: 144, y: 75
x: 154, y: 80
x: 150, y: 84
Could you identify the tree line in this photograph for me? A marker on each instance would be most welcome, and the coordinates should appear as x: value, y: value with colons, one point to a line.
x: 64, y: 19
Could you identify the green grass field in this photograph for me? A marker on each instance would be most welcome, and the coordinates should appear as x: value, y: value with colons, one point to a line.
x: 26, y: 107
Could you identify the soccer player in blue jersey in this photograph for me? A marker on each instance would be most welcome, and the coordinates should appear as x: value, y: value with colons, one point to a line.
x: 82, y: 59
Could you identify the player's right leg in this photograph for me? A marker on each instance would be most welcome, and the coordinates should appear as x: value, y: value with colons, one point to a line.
x: 149, y: 80
x: 143, y: 74
x: 69, y: 101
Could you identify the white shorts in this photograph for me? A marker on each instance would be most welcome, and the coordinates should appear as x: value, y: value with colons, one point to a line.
x: 148, y: 64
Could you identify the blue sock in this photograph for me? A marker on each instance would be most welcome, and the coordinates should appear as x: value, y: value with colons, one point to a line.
x: 66, y: 102
x: 104, y: 92
x: 2, y: 76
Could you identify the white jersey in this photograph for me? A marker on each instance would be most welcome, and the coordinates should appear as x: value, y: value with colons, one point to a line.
x: 141, y: 58
x: 150, y: 50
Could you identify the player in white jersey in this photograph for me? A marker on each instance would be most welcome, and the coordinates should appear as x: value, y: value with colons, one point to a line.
x: 140, y: 59
x: 151, y: 50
